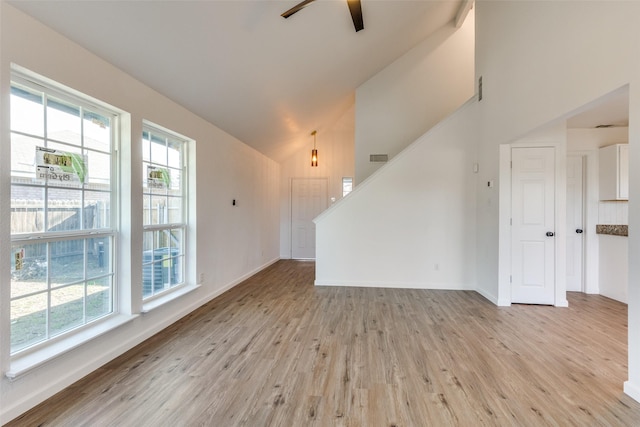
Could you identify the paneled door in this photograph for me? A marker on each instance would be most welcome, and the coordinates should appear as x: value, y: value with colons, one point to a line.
x: 575, y: 221
x: 308, y: 200
x: 533, y: 225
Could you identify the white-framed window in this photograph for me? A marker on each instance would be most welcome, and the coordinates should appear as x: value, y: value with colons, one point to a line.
x: 164, y: 209
x: 347, y: 185
x: 63, y: 212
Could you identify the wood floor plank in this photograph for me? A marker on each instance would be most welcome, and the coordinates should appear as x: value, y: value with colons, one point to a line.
x: 277, y: 351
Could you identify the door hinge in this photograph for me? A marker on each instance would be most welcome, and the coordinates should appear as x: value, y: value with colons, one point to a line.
x: 510, y: 279
x: 511, y: 164
x: 510, y: 221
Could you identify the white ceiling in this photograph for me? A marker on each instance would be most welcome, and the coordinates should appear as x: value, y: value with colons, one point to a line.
x: 609, y: 110
x: 241, y: 66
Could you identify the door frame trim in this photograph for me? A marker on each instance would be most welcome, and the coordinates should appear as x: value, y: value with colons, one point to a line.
x: 583, y: 158
x: 504, y: 216
x: 591, y: 284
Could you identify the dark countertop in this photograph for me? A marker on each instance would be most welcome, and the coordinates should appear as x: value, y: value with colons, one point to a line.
x: 613, y: 230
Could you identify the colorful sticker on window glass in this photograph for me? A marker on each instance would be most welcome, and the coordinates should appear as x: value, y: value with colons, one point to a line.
x: 56, y: 165
x: 18, y: 258
x: 158, y: 177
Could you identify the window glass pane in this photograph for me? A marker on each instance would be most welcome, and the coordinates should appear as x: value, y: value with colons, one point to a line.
x: 152, y: 269
x: 175, y: 210
x: 97, y: 131
x: 98, y: 257
x: 98, y: 169
x: 176, y: 184
x: 146, y: 147
x: 148, y: 278
x: 23, y: 152
x: 147, y: 241
x: 66, y: 262
x: 347, y: 185
x: 178, y: 269
x: 67, y: 308
x: 177, y: 248
x: 27, y: 209
x: 172, y: 269
x: 159, y: 214
x: 97, y: 210
x: 176, y: 240
x: 28, y: 321
x: 164, y: 267
x: 64, y: 211
x: 28, y: 269
x: 146, y: 209
x: 145, y: 181
x: 158, y: 150
x: 163, y: 242
x: 174, y: 151
x: 99, y: 301
x: 27, y: 111
x: 63, y: 121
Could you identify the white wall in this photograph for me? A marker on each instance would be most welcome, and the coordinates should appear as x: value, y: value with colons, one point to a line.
x: 540, y: 61
x: 412, y: 223
x: 411, y: 95
x: 335, y: 161
x: 229, y: 243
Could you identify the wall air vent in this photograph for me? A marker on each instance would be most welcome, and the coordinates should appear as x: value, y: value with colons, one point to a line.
x: 378, y: 158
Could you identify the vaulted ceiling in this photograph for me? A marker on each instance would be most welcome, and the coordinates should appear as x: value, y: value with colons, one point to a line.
x: 266, y: 80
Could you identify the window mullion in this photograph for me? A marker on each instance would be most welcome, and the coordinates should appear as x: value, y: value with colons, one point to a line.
x: 45, y: 134
x: 82, y: 152
x: 45, y: 209
x: 49, y: 302
x: 85, y: 256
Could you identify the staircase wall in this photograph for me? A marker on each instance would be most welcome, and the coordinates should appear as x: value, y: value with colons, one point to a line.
x: 412, y: 223
x: 412, y: 94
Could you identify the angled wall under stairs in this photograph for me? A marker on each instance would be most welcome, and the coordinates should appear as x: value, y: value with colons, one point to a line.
x: 412, y: 223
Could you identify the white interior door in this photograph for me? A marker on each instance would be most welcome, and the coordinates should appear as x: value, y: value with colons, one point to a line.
x: 308, y: 200
x: 575, y: 221
x: 533, y: 225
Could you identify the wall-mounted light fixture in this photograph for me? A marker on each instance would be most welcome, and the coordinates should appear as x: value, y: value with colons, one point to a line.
x: 314, y: 152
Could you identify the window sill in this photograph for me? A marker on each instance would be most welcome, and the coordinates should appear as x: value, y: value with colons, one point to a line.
x: 21, y: 364
x: 170, y: 296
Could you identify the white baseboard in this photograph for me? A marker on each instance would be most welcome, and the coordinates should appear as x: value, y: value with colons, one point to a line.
x: 391, y: 285
x: 632, y: 390
x: 490, y: 297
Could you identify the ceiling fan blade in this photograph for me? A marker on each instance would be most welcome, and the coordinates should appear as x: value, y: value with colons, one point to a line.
x: 355, y: 7
x: 296, y: 8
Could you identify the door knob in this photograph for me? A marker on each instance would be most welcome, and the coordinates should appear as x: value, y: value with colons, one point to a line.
x: 579, y: 230
x: 549, y: 233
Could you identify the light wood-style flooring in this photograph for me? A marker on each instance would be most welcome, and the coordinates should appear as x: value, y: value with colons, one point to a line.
x: 277, y: 351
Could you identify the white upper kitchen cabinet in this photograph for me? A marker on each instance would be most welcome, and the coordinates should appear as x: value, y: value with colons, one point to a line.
x: 614, y: 172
